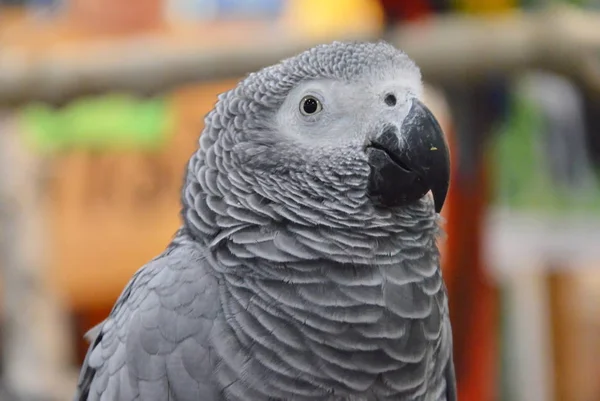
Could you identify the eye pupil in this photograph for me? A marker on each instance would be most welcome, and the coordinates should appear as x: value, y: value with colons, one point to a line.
x: 390, y: 99
x: 310, y: 105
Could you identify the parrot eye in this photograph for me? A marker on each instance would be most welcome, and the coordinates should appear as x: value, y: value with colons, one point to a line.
x: 310, y: 105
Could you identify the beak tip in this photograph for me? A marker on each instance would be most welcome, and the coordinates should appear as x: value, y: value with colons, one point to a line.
x: 438, y: 206
x: 440, y: 192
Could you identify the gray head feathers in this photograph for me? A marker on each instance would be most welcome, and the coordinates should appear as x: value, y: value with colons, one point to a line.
x: 262, y: 162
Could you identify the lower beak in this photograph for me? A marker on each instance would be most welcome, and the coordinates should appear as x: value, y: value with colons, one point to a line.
x: 407, y: 163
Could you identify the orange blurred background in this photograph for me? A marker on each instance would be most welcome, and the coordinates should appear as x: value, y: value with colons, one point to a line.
x: 101, y: 104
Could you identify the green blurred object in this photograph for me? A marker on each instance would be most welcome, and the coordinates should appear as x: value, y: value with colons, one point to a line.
x: 111, y: 122
x: 522, y: 177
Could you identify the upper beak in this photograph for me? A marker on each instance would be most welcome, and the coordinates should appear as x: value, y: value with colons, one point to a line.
x: 409, y: 162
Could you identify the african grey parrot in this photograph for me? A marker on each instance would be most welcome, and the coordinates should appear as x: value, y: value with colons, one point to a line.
x: 306, y: 267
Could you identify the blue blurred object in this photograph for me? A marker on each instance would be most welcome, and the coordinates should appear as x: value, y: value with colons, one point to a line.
x: 269, y: 9
x: 43, y: 9
x: 203, y: 10
x: 194, y: 10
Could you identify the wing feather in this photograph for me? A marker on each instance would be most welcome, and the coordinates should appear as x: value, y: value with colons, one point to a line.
x: 154, y: 345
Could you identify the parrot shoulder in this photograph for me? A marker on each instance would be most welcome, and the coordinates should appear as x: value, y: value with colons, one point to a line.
x: 154, y: 345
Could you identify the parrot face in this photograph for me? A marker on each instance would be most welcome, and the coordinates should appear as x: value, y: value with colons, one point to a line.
x: 340, y: 122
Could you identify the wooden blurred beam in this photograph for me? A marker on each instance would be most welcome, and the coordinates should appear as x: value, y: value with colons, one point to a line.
x: 564, y: 335
x: 35, y: 362
x: 445, y: 47
x: 467, y: 47
x: 150, y: 64
x: 516, y: 242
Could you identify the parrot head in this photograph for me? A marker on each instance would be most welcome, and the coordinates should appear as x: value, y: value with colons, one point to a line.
x: 340, y: 127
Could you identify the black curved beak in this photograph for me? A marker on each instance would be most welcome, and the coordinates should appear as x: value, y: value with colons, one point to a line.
x: 408, y: 163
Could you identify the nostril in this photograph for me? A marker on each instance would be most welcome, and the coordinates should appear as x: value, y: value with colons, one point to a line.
x: 390, y: 99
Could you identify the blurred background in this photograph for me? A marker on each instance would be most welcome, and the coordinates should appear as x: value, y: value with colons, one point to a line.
x: 102, y: 102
